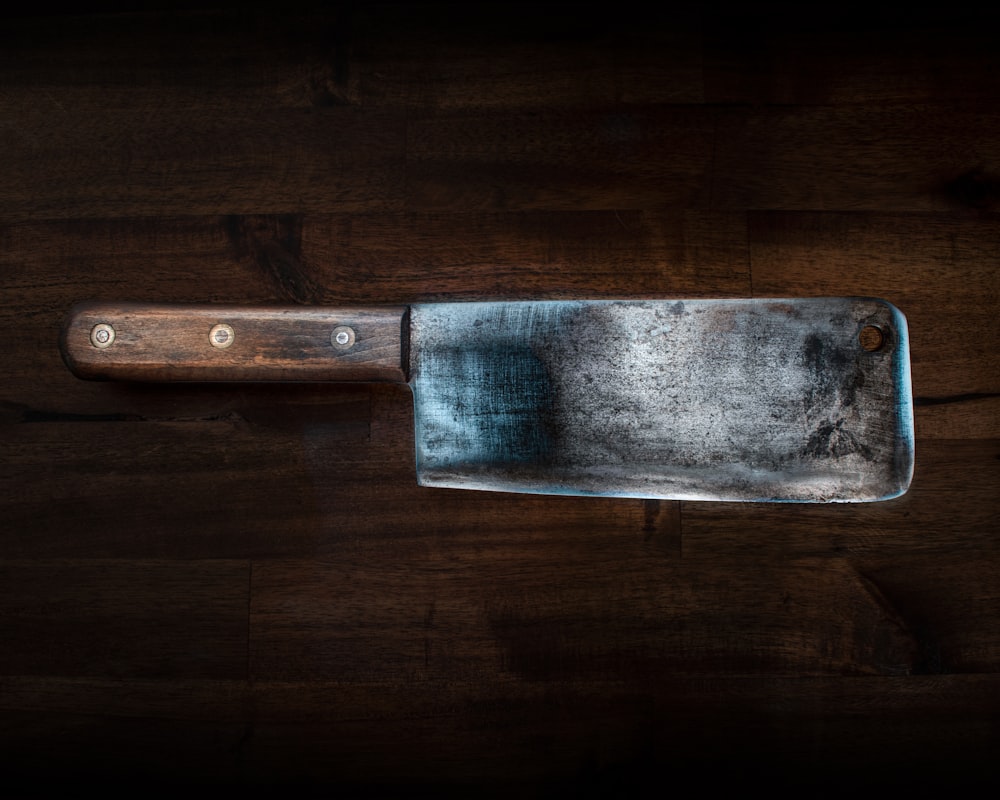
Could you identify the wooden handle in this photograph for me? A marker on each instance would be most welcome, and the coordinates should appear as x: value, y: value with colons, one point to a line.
x: 132, y: 341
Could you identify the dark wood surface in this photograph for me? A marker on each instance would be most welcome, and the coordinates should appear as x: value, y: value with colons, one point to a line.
x: 242, y: 584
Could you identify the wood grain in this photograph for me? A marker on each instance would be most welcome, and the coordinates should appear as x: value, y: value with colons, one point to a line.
x: 529, y: 255
x: 512, y: 618
x: 615, y: 157
x: 121, y: 619
x: 872, y: 157
x: 240, y: 586
x: 230, y: 343
x: 149, y: 162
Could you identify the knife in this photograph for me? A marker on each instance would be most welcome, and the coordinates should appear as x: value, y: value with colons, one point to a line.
x: 801, y: 399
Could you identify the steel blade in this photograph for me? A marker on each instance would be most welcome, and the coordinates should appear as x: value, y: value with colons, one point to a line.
x: 750, y: 400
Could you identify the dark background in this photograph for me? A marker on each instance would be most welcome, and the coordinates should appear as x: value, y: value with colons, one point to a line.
x: 242, y: 584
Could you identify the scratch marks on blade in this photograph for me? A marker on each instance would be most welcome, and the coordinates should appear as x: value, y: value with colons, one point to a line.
x: 696, y: 399
x: 483, y: 392
x: 487, y: 404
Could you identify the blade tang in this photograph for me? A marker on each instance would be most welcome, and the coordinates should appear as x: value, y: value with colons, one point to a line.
x: 144, y: 342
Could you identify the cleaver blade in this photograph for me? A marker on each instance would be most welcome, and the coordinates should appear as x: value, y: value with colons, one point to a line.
x: 801, y: 399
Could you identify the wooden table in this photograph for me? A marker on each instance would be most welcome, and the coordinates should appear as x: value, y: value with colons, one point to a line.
x: 242, y: 585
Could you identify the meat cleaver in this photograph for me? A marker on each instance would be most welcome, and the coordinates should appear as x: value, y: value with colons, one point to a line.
x: 804, y: 399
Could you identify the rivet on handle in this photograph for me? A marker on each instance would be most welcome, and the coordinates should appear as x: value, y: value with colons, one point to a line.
x: 343, y: 337
x: 102, y: 335
x: 221, y: 336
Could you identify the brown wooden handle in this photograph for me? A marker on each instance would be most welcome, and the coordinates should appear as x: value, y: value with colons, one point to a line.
x: 132, y: 341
